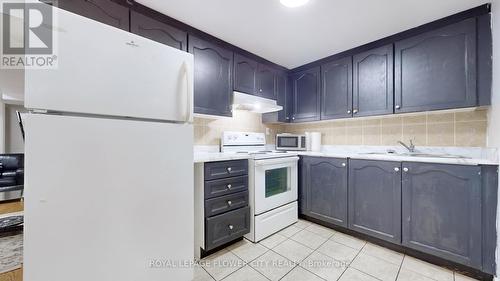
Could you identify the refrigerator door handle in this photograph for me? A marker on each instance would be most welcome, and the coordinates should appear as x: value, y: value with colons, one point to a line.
x: 189, y: 109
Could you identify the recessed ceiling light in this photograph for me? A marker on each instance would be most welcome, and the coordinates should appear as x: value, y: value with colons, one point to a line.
x: 293, y: 3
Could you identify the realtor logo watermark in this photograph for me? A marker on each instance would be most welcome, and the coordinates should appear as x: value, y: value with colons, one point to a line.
x: 28, y: 40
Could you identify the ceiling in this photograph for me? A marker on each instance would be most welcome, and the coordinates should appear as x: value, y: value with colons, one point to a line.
x: 292, y: 37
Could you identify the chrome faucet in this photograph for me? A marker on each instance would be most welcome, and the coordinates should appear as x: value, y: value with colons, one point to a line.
x: 411, y: 147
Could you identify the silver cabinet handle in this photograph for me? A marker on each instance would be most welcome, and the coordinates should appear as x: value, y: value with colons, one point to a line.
x: 343, y: 164
x: 229, y: 169
x: 348, y: 112
x: 405, y: 169
x: 229, y: 203
x: 260, y: 90
x: 396, y: 169
x: 230, y: 226
x: 287, y: 118
x: 355, y: 111
x: 293, y: 118
x: 398, y: 107
x: 229, y: 186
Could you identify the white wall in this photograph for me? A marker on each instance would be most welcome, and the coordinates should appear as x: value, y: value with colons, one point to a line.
x: 494, y: 116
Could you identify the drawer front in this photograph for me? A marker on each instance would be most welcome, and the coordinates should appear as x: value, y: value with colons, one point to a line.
x: 225, y: 186
x: 226, y: 203
x: 225, y: 169
x: 224, y: 228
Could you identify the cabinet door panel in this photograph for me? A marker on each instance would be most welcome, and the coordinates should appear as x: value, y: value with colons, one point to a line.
x: 325, y: 189
x: 158, y: 31
x: 104, y: 11
x: 373, y: 82
x: 437, y: 69
x: 375, y: 198
x: 245, y: 71
x: 442, y: 211
x: 306, y: 95
x: 266, y: 82
x: 213, y: 68
x: 282, y: 91
x: 336, y: 98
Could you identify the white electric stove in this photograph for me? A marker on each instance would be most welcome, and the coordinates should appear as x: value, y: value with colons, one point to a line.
x: 273, y: 187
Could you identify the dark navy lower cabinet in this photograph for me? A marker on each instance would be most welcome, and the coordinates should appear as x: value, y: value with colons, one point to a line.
x: 375, y: 198
x: 324, y: 189
x: 104, y: 11
x: 226, y: 209
x: 213, y: 73
x: 157, y: 31
x: 336, y: 92
x: 306, y: 90
x: 442, y: 211
x: 373, y: 86
x: 437, y: 69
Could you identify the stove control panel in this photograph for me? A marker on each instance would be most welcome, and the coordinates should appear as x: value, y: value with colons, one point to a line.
x: 242, y: 138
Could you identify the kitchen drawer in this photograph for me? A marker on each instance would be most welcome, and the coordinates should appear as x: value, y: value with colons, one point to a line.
x: 227, y: 186
x: 226, y: 203
x: 225, y: 169
x: 227, y: 227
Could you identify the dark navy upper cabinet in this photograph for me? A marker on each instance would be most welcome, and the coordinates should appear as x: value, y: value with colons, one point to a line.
x: 282, y: 98
x: 282, y: 90
x: 306, y: 87
x: 213, y: 70
x: 158, y: 31
x: 104, y: 11
x: 437, y: 69
x: 245, y: 72
x: 266, y: 82
x: 324, y: 189
x: 251, y: 77
x: 442, y: 211
x: 373, y: 86
x: 375, y: 198
x: 336, y: 93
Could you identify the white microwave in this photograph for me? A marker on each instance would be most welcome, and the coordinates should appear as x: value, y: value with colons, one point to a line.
x: 290, y: 142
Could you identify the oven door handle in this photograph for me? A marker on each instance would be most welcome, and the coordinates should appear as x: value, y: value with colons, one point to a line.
x: 276, y: 161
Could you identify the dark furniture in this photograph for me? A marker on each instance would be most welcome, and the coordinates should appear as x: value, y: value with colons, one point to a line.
x: 324, y: 189
x: 213, y: 73
x: 336, y: 93
x: 445, y: 213
x: 158, y: 31
x: 306, y: 86
x: 105, y: 11
x: 227, y: 214
x: 437, y: 69
x: 442, y: 211
x: 444, y: 64
x: 373, y: 87
x: 375, y: 198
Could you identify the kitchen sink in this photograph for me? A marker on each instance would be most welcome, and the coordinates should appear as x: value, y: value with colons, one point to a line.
x: 418, y: 154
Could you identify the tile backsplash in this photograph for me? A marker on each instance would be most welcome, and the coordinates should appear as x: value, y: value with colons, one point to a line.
x: 465, y: 128
x: 208, y: 131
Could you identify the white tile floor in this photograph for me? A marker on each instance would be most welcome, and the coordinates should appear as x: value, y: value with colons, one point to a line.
x: 310, y: 252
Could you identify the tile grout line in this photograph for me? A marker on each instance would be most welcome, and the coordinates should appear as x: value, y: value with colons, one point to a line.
x: 311, y: 254
x: 400, y: 267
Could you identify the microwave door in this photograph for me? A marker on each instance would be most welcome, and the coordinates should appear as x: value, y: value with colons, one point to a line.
x: 288, y: 142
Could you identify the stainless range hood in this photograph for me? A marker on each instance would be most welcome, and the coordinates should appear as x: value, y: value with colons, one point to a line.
x: 255, y: 104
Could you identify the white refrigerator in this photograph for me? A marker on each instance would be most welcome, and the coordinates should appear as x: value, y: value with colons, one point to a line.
x: 109, y: 159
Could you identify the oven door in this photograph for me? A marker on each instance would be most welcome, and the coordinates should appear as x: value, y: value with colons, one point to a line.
x: 275, y: 183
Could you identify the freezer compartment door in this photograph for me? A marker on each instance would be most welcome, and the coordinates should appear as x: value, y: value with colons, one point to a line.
x: 107, y: 71
x: 107, y: 199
